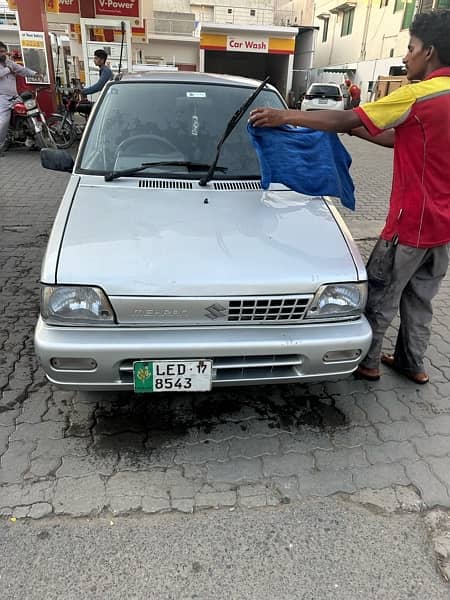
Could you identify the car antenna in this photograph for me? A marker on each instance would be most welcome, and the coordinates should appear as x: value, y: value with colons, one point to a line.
x: 229, y: 128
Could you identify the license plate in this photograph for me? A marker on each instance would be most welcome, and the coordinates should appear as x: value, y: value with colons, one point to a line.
x: 323, y: 101
x: 33, y: 111
x: 172, y: 376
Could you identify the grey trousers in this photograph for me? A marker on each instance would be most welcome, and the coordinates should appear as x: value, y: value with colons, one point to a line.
x: 405, y: 278
x: 5, y: 115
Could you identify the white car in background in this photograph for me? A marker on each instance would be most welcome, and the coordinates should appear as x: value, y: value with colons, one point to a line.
x: 323, y: 96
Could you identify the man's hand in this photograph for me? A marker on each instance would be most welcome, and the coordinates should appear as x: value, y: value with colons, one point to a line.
x: 268, y: 117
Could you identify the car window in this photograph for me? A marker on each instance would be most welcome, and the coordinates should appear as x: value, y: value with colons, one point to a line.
x: 325, y: 90
x: 149, y: 122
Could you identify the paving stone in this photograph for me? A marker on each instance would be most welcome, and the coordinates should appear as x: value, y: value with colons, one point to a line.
x: 254, y: 447
x: 342, y: 458
x: 437, y: 425
x: 398, y: 431
x: 79, y: 496
x: 432, y: 491
x: 437, y: 445
x: 39, y: 510
x: 102, y: 463
x: 241, y: 469
x: 391, y: 452
x: 380, y: 476
x: 15, y: 462
x: 355, y: 436
x: 185, y: 505
x: 32, y: 432
x: 8, y: 418
x: 44, y: 467
x: 202, y: 453
x: 304, y: 441
x: 50, y: 448
x: 441, y: 468
x: 215, y: 500
x: 354, y: 414
x: 27, y: 493
x: 395, y: 408
x: 384, y: 499
x: 325, y: 483
x: 375, y: 412
x: 33, y: 410
x: 289, y: 464
x: 154, y: 505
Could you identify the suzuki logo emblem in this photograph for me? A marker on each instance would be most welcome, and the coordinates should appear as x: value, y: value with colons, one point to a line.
x: 215, y: 311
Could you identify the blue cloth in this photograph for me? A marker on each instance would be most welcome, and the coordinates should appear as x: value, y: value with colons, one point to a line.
x: 105, y: 75
x: 311, y: 162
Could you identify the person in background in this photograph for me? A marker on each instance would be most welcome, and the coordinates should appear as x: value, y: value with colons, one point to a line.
x: 105, y: 73
x: 354, y: 93
x: 411, y: 257
x: 8, y: 88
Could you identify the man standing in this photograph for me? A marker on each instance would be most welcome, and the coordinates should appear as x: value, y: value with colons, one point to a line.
x: 105, y: 73
x: 410, y: 259
x: 8, y: 88
x: 354, y: 93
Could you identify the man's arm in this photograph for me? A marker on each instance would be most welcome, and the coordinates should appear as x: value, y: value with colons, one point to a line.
x: 102, y: 81
x: 340, y: 121
x: 386, y: 139
x: 19, y: 70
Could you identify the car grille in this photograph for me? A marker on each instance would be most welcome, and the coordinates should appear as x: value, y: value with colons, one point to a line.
x: 206, y: 311
x: 238, y: 369
x: 267, y: 309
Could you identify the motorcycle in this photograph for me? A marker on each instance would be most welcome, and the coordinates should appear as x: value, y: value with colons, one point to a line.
x: 65, y: 128
x: 28, y: 126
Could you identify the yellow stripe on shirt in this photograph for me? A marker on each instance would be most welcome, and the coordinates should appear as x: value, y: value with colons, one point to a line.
x: 393, y: 109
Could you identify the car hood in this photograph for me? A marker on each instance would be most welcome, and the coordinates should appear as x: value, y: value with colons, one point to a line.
x: 183, y: 242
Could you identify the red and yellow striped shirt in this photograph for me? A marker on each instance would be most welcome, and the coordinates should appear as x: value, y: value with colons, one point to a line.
x: 419, y: 211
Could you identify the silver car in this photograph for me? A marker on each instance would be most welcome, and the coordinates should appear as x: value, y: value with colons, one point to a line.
x: 163, y: 273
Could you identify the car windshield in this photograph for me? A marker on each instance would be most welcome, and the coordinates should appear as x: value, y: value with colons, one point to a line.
x: 325, y: 90
x: 171, y: 122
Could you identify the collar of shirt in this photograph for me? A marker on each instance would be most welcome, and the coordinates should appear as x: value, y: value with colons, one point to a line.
x: 441, y: 72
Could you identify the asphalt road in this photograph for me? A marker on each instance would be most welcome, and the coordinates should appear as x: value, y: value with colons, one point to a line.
x: 315, y: 550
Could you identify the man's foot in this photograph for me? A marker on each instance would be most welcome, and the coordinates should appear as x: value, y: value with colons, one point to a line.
x: 367, y: 373
x: 389, y: 361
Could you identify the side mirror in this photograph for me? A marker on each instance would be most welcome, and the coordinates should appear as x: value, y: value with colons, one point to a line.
x: 56, y: 160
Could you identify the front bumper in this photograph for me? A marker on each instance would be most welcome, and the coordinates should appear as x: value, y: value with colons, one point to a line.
x: 241, y: 355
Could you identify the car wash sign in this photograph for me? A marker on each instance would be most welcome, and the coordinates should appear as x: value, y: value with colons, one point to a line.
x: 117, y: 8
x: 238, y: 43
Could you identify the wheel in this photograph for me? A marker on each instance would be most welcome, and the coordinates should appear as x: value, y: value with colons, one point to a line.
x: 139, y: 141
x: 62, y: 131
x: 44, y: 138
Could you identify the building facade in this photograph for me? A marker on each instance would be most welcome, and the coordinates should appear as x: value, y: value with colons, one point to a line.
x: 363, y: 39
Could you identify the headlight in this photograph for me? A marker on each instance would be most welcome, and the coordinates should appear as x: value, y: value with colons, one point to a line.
x: 75, y: 305
x: 30, y: 104
x: 338, y: 300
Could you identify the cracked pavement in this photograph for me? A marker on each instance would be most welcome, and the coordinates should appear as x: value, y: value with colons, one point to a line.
x: 384, y: 444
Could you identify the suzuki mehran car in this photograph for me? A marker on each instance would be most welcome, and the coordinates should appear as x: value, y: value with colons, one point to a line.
x: 168, y: 268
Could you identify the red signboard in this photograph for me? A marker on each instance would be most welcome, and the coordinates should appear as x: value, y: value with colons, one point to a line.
x: 117, y: 8
x: 69, y: 6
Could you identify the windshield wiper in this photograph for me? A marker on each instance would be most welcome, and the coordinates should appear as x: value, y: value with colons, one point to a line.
x: 229, y: 128
x: 191, y: 166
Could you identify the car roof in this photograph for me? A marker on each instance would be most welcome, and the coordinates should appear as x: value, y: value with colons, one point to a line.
x: 322, y: 84
x: 190, y: 77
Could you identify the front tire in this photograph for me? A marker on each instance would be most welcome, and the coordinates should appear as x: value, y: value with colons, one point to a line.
x: 62, y: 133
